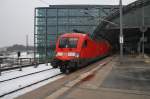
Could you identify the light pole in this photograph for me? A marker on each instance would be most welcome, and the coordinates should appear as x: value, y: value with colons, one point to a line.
x: 121, y: 29
x: 27, y: 44
x: 143, y: 25
x: 143, y: 29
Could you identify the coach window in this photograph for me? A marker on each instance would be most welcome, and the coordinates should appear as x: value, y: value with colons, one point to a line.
x: 85, y: 44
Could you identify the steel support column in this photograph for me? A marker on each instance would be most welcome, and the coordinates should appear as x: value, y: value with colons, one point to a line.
x: 46, y: 34
x: 35, y: 48
x: 121, y: 29
x: 143, y: 25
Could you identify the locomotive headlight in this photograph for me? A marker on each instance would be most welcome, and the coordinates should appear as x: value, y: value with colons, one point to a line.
x: 71, y: 53
x: 59, y: 54
x: 75, y: 54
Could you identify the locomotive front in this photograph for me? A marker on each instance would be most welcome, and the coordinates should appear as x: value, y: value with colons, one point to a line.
x: 68, y: 48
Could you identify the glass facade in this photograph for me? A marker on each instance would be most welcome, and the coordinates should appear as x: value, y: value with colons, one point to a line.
x: 50, y: 22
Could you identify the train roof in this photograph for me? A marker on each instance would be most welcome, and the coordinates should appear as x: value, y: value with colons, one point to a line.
x: 74, y: 35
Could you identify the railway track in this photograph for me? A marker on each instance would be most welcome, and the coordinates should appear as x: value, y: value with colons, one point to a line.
x: 25, y: 75
x: 16, y: 67
x: 28, y: 85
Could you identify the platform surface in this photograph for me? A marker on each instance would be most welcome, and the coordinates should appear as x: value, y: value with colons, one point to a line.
x: 128, y: 79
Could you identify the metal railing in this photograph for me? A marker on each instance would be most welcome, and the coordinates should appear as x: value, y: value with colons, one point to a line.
x: 12, y: 63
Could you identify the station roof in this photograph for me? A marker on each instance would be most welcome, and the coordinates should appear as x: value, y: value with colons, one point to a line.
x: 80, y: 6
x: 132, y: 33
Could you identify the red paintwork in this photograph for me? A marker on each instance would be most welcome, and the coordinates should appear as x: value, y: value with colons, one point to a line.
x: 94, y: 48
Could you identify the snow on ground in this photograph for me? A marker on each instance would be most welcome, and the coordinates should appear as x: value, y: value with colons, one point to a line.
x: 23, y: 91
x: 27, y: 70
x: 27, y: 80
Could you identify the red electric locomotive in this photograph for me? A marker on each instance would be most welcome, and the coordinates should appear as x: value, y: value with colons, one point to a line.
x: 75, y: 50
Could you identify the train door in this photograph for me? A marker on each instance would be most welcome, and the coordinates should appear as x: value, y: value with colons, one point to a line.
x: 84, y: 49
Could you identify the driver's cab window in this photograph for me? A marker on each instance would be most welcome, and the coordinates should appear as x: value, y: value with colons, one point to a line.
x: 85, y: 44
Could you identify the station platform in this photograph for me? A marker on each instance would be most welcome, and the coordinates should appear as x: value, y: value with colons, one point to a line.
x: 107, y: 79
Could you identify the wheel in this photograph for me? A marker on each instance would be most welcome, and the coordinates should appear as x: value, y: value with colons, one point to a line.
x: 68, y: 71
x: 55, y: 63
x: 72, y: 66
x: 62, y: 70
x: 55, y: 66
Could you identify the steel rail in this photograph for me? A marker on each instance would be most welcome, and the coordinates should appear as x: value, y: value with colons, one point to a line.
x: 25, y: 75
x: 29, y: 85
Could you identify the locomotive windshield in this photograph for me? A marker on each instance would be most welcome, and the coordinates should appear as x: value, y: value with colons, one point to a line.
x: 67, y: 42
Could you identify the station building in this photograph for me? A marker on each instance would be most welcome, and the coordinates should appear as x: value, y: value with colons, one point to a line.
x: 52, y: 21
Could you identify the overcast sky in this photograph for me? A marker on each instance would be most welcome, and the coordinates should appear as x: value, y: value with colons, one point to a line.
x: 17, y: 16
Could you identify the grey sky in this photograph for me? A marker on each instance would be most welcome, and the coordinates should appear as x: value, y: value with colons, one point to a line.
x: 16, y: 17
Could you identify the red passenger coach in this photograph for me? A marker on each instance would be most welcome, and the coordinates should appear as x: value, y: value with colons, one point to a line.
x: 75, y: 50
